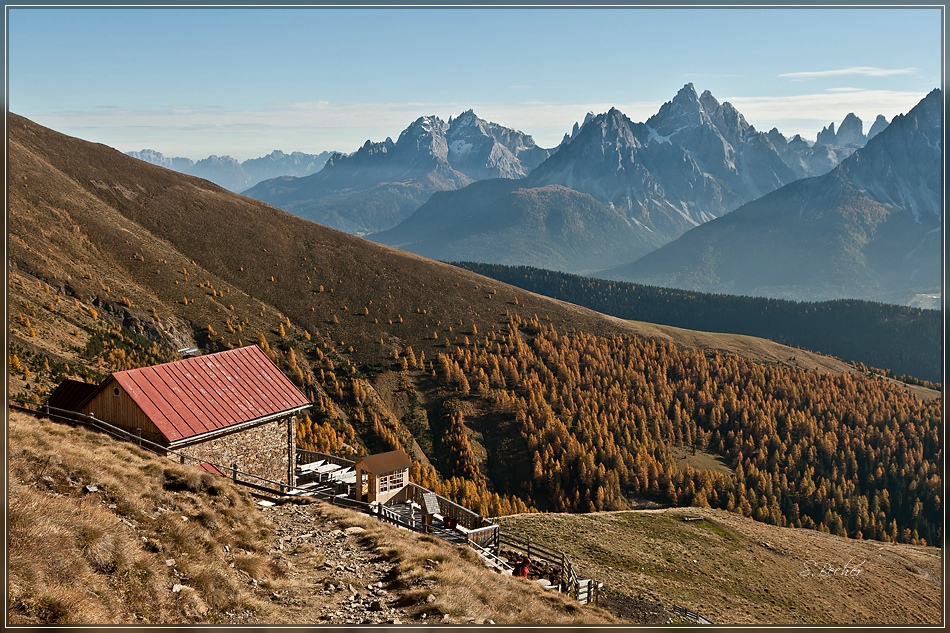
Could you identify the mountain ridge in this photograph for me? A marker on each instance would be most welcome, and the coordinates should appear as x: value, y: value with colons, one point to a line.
x: 867, y: 230
x: 382, y: 183
x: 694, y: 160
x: 234, y: 175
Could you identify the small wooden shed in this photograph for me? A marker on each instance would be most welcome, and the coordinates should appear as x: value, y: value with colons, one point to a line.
x: 386, y: 474
x: 69, y: 396
x: 233, y: 408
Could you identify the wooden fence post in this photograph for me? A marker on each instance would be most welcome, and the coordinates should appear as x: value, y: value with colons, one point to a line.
x: 564, y: 585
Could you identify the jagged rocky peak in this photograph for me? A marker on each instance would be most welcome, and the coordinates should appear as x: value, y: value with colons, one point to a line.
x: 798, y: 143
x: 877, y: 127
x: 707, y: 100
x: 729, y: 121
x: 851, y: 131
x: 427, y: 135
x: 685, y: 110
x: 614, y: 128
x: 827, y: 135
x: 850, y: 134
x: 590, y: 116
x: 429, y: 124
x: 466, y: 118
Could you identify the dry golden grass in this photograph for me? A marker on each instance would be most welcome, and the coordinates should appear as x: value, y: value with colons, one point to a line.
x: 102, y: 532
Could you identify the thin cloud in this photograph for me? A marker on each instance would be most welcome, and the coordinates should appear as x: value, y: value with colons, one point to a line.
x: 197, y: 130
x: 806, y: 113
x: 864, y: 71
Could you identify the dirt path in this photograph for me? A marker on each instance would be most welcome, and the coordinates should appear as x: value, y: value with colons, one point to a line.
x: 331, y: 575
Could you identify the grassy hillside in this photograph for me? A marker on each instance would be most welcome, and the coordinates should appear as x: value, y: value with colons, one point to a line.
x: 506, y: 399
x: 102, y: 532
x: 733, y: 570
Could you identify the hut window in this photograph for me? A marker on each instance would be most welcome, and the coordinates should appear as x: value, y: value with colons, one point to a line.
x: 115, y: 392
x: 392, y: 481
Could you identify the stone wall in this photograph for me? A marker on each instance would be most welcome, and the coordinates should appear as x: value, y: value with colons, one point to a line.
x: 261, y: 450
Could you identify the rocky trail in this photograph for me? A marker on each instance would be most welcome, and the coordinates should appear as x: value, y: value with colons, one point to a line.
x: 332, y: 574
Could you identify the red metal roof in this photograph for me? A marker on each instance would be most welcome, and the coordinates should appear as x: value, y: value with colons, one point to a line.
x: 211, y: 468
x: 196, y: 395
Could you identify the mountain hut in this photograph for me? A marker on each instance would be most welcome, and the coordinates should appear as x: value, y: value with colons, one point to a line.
x: 233, y: 409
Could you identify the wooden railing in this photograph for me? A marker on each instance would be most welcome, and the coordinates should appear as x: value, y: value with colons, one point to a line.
x: 585, y: 590
x: 447, y: 508
x: 492, y: 559
x: 685, y: 614
x: 308, y: 457
x: 531, y: 549
x: 485, y: 537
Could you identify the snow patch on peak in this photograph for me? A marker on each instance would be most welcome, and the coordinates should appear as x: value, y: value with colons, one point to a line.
x: 656, y: 136
x: 459, y: 147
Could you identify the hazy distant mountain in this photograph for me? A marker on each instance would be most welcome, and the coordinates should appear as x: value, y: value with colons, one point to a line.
x: 869, y: 229
x: 277, y: 164
x: 691, y: 162
x: 851, y: 132
x: 830, y: 147
x: 381, y: 184
x: 552, y: 226
x: 230, y: 174
x: 157, y: 158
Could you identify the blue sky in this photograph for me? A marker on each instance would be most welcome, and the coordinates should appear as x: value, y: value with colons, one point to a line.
x: 244, y: 81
